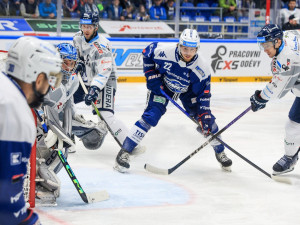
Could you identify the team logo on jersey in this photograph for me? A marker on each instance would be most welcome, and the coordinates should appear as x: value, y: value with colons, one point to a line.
x: 162, y: 54
x: 286, y: 67
x: 11, y: 68
x: 274, y: 66
x: 175, y: 85
x: 96, y: 44
x: 15, y: 158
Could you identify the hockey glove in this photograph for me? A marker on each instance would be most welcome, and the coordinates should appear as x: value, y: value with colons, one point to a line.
x: 80, y: 67
x: 92, y: 95
x: 206, y: 121
x: 154, y: 82
x: 257, y: 102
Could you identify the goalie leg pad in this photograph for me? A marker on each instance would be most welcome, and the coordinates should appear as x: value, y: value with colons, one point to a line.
x: 50, y: 181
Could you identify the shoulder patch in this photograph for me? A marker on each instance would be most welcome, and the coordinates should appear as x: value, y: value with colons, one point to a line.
x: 99, y: 48
x: 200, y: 71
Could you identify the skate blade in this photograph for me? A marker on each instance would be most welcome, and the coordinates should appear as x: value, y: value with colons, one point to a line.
x: 120, y: 169
x: 45, y: 204
x: 283, y: 172
x: 226, y: 169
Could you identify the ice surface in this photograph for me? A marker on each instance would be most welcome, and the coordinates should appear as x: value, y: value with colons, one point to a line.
x: 197, y: 193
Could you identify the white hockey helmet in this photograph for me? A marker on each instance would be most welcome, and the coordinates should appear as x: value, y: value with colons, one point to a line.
x: 30, y: 56
x: 189, y: 38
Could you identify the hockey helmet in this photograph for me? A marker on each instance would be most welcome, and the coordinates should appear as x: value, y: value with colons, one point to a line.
x: 30, y: 56
x: 269, y: 33
x: 189, y: 38
x: 67, y: 51
x: 89, y: 18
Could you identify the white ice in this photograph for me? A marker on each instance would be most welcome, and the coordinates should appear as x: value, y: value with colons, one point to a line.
x: 198, y: 192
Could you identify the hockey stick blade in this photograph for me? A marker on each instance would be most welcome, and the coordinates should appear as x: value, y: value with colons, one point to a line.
x: 87, y: 198
x: 280, y: 179
x: 153, y: 169
x: 97, y: 196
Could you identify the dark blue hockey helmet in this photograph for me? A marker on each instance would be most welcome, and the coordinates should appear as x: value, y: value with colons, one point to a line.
x: 269, y: 33
x: 89, y: 18
x: 67, y: 51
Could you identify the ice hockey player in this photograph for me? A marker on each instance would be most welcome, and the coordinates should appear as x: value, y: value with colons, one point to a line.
x: 182, y: 72
x: 283, y: 48
x: 58, y: 109
x: 32, y: 65
x: 99, y: 74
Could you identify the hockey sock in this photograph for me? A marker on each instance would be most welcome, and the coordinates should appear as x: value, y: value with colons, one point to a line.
x: 218, y: 148
x: 136, y: 134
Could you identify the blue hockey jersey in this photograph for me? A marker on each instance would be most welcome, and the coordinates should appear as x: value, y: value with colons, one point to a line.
x: 189, y: 80
x: 17, y: 135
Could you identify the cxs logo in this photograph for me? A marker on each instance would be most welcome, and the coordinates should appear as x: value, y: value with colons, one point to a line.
x: 218, y: 63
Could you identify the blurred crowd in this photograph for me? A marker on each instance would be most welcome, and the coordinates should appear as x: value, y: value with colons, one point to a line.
x: 143, y: 10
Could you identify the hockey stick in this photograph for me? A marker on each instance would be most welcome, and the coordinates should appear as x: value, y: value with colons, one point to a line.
x: 87, y: 198
x: 96, y: 109
x: 157, y: 170
x: 280, y: 179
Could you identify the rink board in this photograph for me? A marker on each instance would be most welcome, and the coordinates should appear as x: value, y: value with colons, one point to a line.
x: 230, y: 60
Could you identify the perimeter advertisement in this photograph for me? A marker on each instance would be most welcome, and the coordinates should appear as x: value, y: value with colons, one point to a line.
x: 230, y: 61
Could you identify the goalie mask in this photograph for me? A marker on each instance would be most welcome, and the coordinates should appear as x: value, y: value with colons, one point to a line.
x: 69, y: 56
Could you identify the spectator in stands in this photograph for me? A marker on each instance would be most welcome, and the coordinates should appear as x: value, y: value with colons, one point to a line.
x: 80, y: 6
x: 292, y: 24
x: 17, y: 4
x: 70, y: 7
x: 47, y: 9
x: 170, y: 8
x: 128, y: 13
x: 114, y: 10
x: 142, y: 15
x: 158, y: 12
x: 7, y: 8
x: 229, y: 7
x: 100, y: 8
x: 125, y: 3
x: 90, y: 6
x: 243, y: 9
x: 287, y: 12
x: 29, y: 9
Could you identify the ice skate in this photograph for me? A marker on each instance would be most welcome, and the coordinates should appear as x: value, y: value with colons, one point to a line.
x: 45, y: 197
x: 285, y: 164
x: 224, y: 161
x: 122, y: 161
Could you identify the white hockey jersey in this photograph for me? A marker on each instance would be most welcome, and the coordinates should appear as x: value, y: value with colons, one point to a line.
x: 57, y: 98
x: 285, y: 68
x: 98, y: 59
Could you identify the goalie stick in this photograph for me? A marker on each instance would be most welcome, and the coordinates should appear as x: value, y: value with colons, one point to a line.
x: 86, y: 197
x: 97, y: 111
x: 276, y: 178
